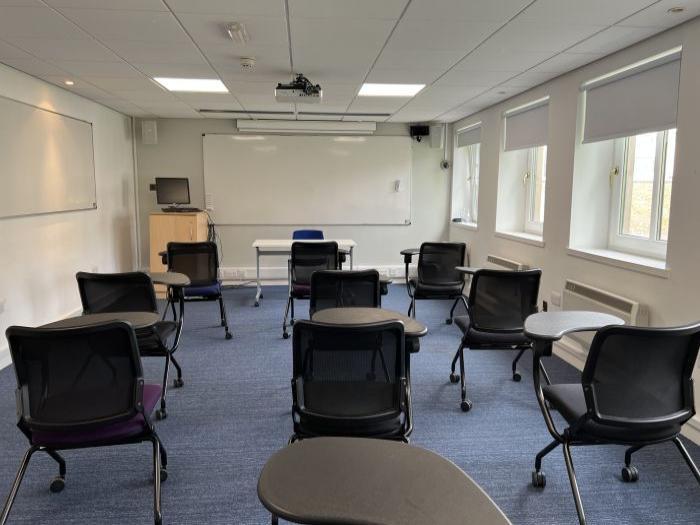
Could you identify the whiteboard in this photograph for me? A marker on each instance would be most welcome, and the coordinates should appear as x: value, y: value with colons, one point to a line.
x: 47, y: 161
x: 304, y: 179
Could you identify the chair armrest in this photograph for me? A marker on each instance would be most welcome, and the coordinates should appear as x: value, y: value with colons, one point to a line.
x: 408, y: 254
x: 163, y: 257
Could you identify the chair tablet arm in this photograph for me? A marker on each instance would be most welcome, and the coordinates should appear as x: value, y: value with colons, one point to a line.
x: 408, y: 254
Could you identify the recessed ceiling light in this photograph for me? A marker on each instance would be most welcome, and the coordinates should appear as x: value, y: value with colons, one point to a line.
x: 675, y: 10
x: 390, y: 90
x: 68, y: 82
x: 192, y: 85
x: 237, y: 32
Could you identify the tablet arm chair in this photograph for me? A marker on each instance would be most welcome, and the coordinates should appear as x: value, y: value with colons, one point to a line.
x: 200, y: 262
x: 81, y: 388
x: 306, y: 258
x: 317, y: 235
x: 133, y: 292
x: 636, y: 390
x: 334, y: 389
x: 337, y: 289
x: 499, y: 302
x: 437, y: 277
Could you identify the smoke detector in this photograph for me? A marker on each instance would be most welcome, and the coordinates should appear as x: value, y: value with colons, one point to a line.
x: 247, y: 64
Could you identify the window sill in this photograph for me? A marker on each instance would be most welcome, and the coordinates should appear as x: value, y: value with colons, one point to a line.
x: 466, y: 225
x: 527, y: 238
x: 628, y: 261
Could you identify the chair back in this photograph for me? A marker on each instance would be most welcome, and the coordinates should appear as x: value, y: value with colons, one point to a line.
x: 197, y: 260
x: 641, y: 376
x: 116, y: 292
x: 365, y: 362
x: 316, y: 235
x: 338, y: 288
x: 501, y: 300
x: 437, y: 262
x: 75, y: 378
x: 309, y: 257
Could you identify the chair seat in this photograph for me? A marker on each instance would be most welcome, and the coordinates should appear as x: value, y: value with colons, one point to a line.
x: 301, y: 291
x: 477, y: 337
x: 209, y: 290
x: 423, y: 290
x: 350, y: 409
x: 570, y: 402
x: 155, y: 340
x: 110, y: 433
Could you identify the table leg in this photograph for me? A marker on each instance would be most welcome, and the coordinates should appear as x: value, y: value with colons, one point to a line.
x: 351, y: 257
x: 258, y: 291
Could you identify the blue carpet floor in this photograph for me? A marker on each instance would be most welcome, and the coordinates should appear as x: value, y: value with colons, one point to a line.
x: 234, y: 412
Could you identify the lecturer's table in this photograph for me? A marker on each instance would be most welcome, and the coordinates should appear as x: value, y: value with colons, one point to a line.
x: 284, y: 247
x: 328, y: 480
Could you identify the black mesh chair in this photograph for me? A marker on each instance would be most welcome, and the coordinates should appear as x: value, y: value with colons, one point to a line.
x: 437, y: 277
x: 200, y: 262
x: 335, y: 391
x: 133, y: 292
x: 80, y: 388
x: 337, y: 288
x: 499, y: 302
x: 636, y: 390
x: 307, y: 258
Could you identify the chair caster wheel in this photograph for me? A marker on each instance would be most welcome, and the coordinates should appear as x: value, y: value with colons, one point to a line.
x: 178, y: 383
x: 291, y: 323
x: 517, y: 377
x: 257, y: 304
x: 630, y: 474
x: 285, y: 335
x: 466, y: 406
x: 228, y: 335
x: 57, y: 484
x: 448, y: 321
x: 223, y: 323
x: 539, y: 480
x: 163, y: 474
x: 158, y: 519
x: 454, y: 378
x: 161, y: 414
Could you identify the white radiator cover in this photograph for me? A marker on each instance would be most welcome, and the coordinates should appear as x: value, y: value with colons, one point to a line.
x: 500, y: 263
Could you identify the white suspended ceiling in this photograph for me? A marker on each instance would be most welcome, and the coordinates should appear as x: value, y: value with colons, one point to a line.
x: 469, y: 53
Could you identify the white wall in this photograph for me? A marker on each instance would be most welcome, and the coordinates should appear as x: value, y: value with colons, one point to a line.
x: 179, y: 154
x: 673, y: 299
x: 42, y: 253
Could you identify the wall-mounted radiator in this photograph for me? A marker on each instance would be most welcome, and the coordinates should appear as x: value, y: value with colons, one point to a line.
x: 501, y: 263
x: 579, y: 296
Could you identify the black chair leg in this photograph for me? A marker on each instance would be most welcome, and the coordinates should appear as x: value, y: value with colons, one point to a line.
x: 630, y: 473
x: 59, y: 482
x: 514, y: 366
x: 177, y: 382
x: 291, y: 320
x: 412, y: 308
x: 544, y: 373
x: 542, y: 453
x: 284, y: 321
x: 224, y: 317
x: 574, y: 485
x: 454, y: 377
x: 157, y: 514
x: 15, y: 485
x: 465, y: 405
x: 689, y: 461
x: 162, y: 413
x: 452, y: 311
x: 273, y: 519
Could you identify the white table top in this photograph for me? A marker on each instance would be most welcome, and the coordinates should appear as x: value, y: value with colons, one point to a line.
x: 286, y: 244
x: 552, y: 326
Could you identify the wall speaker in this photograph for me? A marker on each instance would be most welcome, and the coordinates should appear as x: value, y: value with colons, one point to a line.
x: 149, y: 132
x: 436, y: 136
x: 418, y: 132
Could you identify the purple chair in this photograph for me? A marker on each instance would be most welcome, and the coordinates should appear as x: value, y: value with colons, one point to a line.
x: 81, y: 388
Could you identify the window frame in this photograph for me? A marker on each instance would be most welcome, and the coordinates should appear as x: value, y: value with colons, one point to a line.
x: 532, y: 225
x: 653, y: 246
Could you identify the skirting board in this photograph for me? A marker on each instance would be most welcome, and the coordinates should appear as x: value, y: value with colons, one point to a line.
x: 242, y: 273
x: 572, y: 353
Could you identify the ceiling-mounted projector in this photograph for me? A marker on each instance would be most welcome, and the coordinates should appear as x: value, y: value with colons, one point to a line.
x: 300, y: 90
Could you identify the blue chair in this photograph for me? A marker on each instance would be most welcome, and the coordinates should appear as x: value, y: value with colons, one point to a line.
x: 307, y: 235
x: 200, y: 262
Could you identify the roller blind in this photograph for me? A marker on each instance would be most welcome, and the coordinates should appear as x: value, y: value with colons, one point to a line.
x: 468, y: 136
x: 527, y: 126
x: 637, y: 99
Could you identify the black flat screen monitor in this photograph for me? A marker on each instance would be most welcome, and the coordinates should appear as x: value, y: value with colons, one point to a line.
x: 172, y: 190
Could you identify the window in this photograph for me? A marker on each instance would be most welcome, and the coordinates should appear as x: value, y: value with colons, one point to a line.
x: 641, y: 197
x: 466, y: 183
x: 535, y: 179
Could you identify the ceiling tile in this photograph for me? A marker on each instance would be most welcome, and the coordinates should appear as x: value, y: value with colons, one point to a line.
x: 538, y: 36
x: 403, y: 76
x: 123, y: 83
x: 98, y: 69
x: 199, y: 70
x: 377, y: 104
x: 135, y: 26
x: 217, y: 100
x: 209, y: 29
x: 61, y: 49
x: 34, y: 66
x: 442, y: 98
x: 413, y: 115
x: 155, y: 52
x: 593, y: 12
x: 612, y: 39
x: 366, y: 9
x: 36, y: 22
x: 119, y: 5
x: 331, y: 34
x: 229, y: 7
x: 529, y: 79
x: 493, y: 58
x: 319, y: 117
x: 440, y: 34
x: 658, y: 16
x: 464, y: 10
x: 565, y: 62
x: 8, y: 51
x: 484, y: 79
x: 397, y: 57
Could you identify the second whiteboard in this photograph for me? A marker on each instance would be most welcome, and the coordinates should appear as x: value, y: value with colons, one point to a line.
x: 282, y: 179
